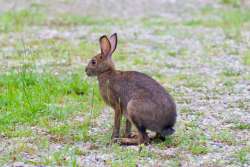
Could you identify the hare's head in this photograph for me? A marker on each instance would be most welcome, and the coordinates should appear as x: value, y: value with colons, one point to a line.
x: 102, y: 62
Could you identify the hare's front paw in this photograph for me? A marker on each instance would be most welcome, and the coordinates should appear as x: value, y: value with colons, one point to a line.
x: 116, y: 140
x: 115, y: 135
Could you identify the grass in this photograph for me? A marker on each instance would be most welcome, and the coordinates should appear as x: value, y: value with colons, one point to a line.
x: 51, y: 54
x: 31, y: 98
x: 186, y: 110
x: 231, y: 21
x: 242, y: 126
x: 243, y: 155
x: 195, y: 141
x: 155, y: 22
x: 63, y: 157
x: 230, y: 73
x: 48, y: 102
x: 129, y: 157
x: 192, y: 139
x: 13, y: 21
x: 235, y: 3
x: 19, y: 20
x: 46, y: 111
x: 224, y: 136
x: 74, y: 20
x: 246, y: 58
x: 198, y: 149
x: 193, y: 81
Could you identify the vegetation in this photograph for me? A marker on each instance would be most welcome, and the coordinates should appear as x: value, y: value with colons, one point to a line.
x: 52, y: 114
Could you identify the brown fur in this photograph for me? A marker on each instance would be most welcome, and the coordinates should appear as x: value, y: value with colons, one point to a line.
x: 142, y: 100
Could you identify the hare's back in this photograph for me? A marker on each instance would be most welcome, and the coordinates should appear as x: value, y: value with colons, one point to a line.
x: 142, y: 85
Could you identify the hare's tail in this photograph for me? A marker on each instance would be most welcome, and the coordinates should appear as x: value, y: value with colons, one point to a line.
x: 167, y: 131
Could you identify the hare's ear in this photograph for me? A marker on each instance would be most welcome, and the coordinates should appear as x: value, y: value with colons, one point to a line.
x: 113, y: 42
x: 105, y: 45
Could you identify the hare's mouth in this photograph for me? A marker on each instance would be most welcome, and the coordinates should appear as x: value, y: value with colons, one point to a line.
x: 88, y: 72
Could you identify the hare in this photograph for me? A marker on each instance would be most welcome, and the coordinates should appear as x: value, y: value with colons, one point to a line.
x: 142, y: 100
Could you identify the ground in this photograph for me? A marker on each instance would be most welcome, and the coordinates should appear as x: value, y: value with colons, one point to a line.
x: 51, y: 113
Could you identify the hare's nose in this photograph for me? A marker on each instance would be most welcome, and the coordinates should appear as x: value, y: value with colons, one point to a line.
x: 87, y: 71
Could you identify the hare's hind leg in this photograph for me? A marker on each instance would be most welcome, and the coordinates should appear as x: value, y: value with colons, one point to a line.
x: 127, y: 133
x: 134, y: 119
x: 142, y: 138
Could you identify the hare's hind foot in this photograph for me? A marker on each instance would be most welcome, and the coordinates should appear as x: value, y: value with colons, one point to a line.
x: 133, y: 141
x: 131, y: 135
x: 128, y: 141
x: 136, y: 139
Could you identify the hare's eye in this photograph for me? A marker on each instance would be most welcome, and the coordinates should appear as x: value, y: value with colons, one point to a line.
x: 93, y: 62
